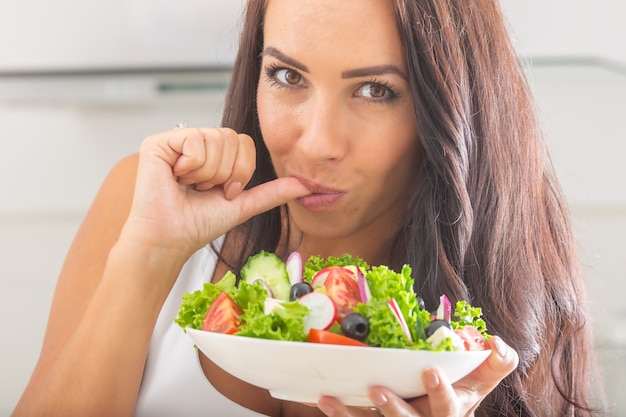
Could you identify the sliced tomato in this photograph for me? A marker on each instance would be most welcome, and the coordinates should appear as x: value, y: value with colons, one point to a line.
x: 342, y: 287
x: 223, y: 315
x: 330, y: 338
x: 472, y: 339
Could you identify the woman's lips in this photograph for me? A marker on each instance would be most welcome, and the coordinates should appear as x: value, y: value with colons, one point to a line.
x: 321, y: 198
x: 318, y: 202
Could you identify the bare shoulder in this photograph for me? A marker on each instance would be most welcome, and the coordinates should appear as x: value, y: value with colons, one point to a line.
x: 86, y: 258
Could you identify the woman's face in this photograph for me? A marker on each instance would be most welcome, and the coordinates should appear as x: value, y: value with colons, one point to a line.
x: 336, y: 111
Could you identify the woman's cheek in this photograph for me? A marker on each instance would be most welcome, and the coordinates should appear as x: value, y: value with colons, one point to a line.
x: 278, y: 125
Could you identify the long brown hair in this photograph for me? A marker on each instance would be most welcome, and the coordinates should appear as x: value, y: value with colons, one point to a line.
x: 487, y: 222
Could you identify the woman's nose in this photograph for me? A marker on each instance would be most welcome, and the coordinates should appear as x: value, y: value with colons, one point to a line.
x: 322, y: 138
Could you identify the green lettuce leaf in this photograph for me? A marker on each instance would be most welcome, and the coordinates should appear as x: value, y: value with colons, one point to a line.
x: 466, y: 315
x: 194, y: 305
x: 385, y: 331
x: 284, y: 323
x: 317, y: 263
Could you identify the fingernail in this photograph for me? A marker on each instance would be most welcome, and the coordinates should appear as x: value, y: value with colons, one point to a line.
x: 233, y: 189
x: 500, y: 347
x: 327, y: 409
x: 378, y: 398
x: 431, y: 379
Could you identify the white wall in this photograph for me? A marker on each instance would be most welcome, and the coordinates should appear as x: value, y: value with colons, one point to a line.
x: 71, y: 34
x: 583, y: 113
x: 569, y: 28
x: 579, y: 79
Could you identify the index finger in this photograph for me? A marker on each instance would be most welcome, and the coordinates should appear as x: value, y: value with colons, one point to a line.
x: 243, y: 167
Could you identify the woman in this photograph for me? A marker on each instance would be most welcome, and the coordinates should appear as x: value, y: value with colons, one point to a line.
x: 398, y: 131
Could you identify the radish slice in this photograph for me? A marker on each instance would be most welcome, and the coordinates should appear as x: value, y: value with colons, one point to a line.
x: 294, y: 267
x: 395, y: 309
x: 322, y: 312
x: 265, y: 285
x: 444, y: 311
x: 364, y: 288
x: 320, y: 277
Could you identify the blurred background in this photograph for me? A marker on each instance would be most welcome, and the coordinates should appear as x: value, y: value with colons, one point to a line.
x: 82, y: 83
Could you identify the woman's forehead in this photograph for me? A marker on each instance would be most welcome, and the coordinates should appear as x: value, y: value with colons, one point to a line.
x: 339, y: 29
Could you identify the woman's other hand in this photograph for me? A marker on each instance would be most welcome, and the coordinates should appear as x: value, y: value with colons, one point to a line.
x: 442, y: 399
x: 189, y: 188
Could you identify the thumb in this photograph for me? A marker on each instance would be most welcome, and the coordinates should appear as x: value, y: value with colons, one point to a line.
x: 502, y: 361
x: 269, y: 195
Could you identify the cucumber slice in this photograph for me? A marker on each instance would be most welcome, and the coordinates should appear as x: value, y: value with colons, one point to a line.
x: 271, y: 269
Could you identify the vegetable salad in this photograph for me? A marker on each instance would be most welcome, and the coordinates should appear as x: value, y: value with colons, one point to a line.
x: 338, y: 300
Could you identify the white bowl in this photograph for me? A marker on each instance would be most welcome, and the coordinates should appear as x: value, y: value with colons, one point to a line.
x: 302, y: 372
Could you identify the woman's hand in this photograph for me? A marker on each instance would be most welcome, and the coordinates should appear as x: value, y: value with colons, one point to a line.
x: 442, y: 399
x: 189, y: 188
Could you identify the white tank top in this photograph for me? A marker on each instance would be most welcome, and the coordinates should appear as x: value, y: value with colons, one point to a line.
x: 173, y: 382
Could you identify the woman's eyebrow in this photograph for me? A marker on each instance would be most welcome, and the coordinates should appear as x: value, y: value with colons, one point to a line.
x: 375, y: 70
x: 353, y: 73
x: 271, y: 51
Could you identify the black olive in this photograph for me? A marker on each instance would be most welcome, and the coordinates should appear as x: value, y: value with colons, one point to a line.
x: 355, y: 326
x: 434, y: 325
x: 420, y: 303
x: 299, y: 289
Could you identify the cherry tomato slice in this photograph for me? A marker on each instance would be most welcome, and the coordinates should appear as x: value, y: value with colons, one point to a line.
x: 472, y: 339
x: 330, y: 338
x: 342, y: 287
x: 223, y: 315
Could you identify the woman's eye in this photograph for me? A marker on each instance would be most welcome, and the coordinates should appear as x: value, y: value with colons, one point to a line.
x: 288, y: 76
x: 373, y: 91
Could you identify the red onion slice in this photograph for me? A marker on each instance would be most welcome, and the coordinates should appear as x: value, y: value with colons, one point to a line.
x: 294, y: 268
x: 444, y: 311
x: 364, y: 288
x: 265, y: 285
x: 395, y: 309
